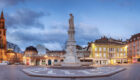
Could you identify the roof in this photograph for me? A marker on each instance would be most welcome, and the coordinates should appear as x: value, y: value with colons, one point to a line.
x: 105, y: 40
x: 31, y: 48
x: 134, y: 37
x: 56, y: 51
x: 10, y: 51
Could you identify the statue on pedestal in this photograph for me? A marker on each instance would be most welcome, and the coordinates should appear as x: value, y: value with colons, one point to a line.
x: 71, y: 22
x: 71, y: 58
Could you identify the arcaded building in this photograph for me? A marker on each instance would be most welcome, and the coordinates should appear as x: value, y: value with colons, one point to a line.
x: 134, y: 47
x: 14, y: 57
x: 31, y: 57
x: 51, y: 58
x: 108, y: 51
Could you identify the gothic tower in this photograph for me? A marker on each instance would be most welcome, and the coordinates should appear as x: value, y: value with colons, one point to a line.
x: 3, y: 41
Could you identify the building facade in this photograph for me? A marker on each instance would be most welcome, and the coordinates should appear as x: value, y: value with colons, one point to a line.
x: 31, y: 57
x: 51, y: 58
x: 14, y: 57
x: 108, y: 51
x: 134, y: 48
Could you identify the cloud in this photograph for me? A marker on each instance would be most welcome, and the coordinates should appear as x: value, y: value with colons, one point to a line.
x: 86, y: 33
x: 52, y: 38
x: 53, y: 46
x: 7, y: 3
x: 24, y: 18
x: 27, y: 37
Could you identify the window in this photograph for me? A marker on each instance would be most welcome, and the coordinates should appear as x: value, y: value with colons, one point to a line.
x: 121, y: 49
x: 96, y: 55
x: 124, y: 49
x: 104, y: 54
x: 133, y: 43
x: 104, y: 49
x: 111, y: 49
x: 95, y: 49
x: 138, y: 45
x: 114, y: 55
x: 117, y: 49
x: 121, y: 54
x: 4, y: 33
x: 100, y: 49
x: 124, y: 54
x: 100, y: 54
x: 118, y: 54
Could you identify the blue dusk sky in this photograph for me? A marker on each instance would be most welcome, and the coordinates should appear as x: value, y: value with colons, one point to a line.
x: 33, y: 22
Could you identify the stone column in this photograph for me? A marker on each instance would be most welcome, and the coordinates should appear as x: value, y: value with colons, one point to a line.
x: 52, y: 62
x: 40, y: 62
x: 46, y: 61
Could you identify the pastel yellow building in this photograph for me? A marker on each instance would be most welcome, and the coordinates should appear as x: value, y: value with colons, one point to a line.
x: 108, y: 51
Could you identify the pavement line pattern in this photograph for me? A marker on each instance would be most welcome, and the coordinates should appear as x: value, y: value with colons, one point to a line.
x: 50, y: 72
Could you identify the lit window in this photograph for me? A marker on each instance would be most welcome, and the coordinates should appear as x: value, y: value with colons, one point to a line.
x: 96, y: 54
x: 121, y: 54
x: 104, y: 54
x: 121, y: 49
x: 95, y: 49
x: 100, y: 49
x: 100, y: 55
x: 124, y: 54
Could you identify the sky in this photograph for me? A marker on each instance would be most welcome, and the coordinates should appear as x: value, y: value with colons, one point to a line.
x: 45, y: 22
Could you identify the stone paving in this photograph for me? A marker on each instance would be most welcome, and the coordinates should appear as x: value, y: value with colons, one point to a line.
x: 13, y: 72
x: 51, y: 72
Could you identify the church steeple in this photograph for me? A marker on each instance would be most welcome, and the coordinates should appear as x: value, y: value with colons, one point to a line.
x: 3, y: 41
x: 2, y: 20
x: 2, y: 16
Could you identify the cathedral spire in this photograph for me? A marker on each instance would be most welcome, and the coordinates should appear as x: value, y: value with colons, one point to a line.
x: 2, y: 16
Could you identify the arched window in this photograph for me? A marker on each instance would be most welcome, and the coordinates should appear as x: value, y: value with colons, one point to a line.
x: 55, y: 60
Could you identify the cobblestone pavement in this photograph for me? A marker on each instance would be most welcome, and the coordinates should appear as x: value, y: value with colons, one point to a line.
x: 13, y: 72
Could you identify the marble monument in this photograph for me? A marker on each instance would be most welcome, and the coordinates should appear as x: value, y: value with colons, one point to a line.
x: 71, y: 58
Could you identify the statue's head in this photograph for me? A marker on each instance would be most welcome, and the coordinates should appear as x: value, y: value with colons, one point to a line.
x: 70, y: 14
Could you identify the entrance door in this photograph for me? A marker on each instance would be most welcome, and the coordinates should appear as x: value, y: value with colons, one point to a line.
x: 37, y: 62
x: 49, y: 62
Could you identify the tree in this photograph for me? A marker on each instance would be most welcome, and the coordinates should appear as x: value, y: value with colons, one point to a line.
x: 138, y: 59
